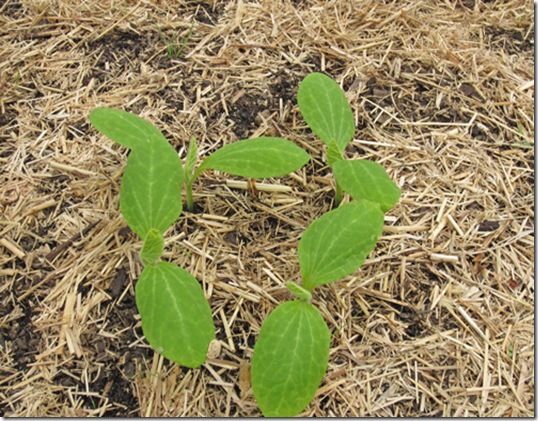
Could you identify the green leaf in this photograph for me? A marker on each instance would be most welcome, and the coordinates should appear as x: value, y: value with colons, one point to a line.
x: 190, y: 160
x: 151, y: 184
x: 333, y: 153
x: 152, y: 248
x: 125, y: 128
x: 326, y: 110
x: 337, y: 243
x: 261, y: 157
x: 364, y: 179
x: 151, y: 189
x: 290, y: 358
x: 299, y: 292
x: 176, y: 318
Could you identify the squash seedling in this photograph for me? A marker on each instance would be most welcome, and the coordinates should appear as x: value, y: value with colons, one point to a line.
x: 327, y: 112
x: 176, y: 318
x: 292, y: 351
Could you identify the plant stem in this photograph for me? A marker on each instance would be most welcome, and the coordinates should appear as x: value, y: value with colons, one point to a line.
x: 190, y: 202
x: 338, y: 195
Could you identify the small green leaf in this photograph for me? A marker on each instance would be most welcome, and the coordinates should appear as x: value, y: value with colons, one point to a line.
x: 326, y: 110
x: 299, y: 292
x: 152, y: 248
x: 290, y: 358
x: 337, y: 243
x: 261, y: 157
x: 333, y: 153
x: 176, y: 318
x: 125, y: 128
x: 190, y: 160
x: 364, y: 179
x: 151, y: 189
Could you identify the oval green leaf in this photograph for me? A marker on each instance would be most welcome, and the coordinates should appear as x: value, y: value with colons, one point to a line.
x: 326, y: 110
x: 337, y: 243
x: 364, y: 179
x: 151, y: 184
x: 176, y: 318
x: 125, y: 128
x: 261, y: 157
x: 290, y: 358
x: 151, y: 189
x: 152, y: 248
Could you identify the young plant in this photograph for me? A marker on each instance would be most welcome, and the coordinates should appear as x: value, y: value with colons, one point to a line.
x: 327, y: 112
x: 176, y: 318
x: 172, y: 49
x: 292, y: 351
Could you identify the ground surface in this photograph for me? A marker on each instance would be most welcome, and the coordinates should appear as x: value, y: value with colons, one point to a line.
x: 438, y: 322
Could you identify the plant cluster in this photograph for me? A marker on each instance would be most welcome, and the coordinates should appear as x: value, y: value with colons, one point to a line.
x: 176, y: 318
x: 292, y: 351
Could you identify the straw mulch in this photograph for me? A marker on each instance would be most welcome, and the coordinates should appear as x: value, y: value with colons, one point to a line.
x: 438, y: 322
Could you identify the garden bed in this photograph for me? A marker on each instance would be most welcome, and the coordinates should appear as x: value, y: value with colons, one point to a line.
x: 439, y: 321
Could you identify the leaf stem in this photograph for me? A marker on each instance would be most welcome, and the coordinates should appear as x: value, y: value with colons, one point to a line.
x: 338, y: 195
x: 190, y: 202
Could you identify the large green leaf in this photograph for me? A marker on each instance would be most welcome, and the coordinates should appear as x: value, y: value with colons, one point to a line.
x: 326, y: 110
x: 176, y: 318
x: 261, y: 157
x: 125, y: 128
x: 151, y: 184
x: 364, y: 179
x: 290, y: 358
x: 337, y: 243
x: 151, y: 189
